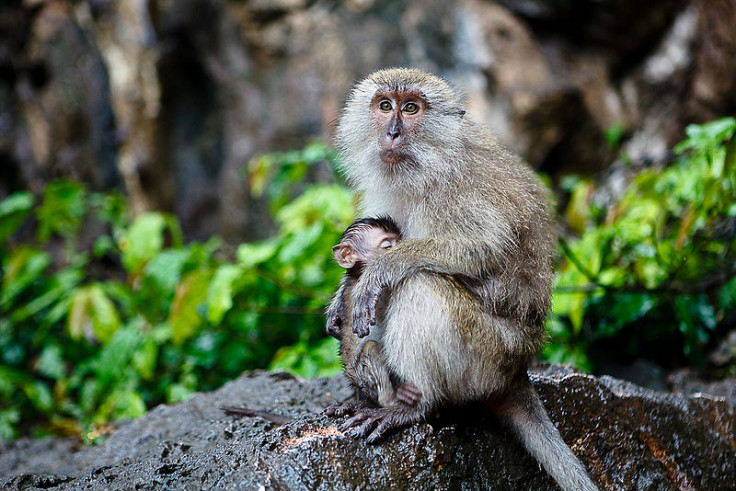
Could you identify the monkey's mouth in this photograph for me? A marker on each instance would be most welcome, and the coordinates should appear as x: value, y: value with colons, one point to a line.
x: 392, y: 157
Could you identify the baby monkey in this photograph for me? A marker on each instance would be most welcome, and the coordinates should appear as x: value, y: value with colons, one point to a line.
x: 362, y: 358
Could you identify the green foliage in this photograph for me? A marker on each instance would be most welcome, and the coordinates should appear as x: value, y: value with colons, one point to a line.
x: 658, y: 264
x: 98, y: 330
x: 279, y: 175
x: 137, y: 317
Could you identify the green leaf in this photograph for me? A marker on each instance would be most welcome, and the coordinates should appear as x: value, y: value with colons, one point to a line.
x: 562, y: 353
x: 8, y: 419
x: 250, y: 255
x: 112, y: 365
x: 288, y: 358
x: 123, y: 403
x: 220, y: 292
x: 145, y: 359
x: 297, y: 244
x: 51, y: 363
x: 630, y: 307
x: 184, y: 317
x: 129, y: 405
x: 320, y: 360
x: 142, y: 241
x: 727, y: 295
x: 328, y: 203
x: 326, y: 356
x: 56, y: 296
x: 89, y: 394
x: 62, y: 208
x: 92, y: 314
x: 39, y: 394
x: 696, y: 316
x: 24, y: 266
x: 13, y: 211
x: 578, y: 211
x: 614, y: 133
x: 613, y: 277
x: 165, y: 268
x: 178, y: 393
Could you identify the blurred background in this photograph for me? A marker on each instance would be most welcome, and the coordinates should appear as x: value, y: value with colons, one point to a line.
x: 168, y: 198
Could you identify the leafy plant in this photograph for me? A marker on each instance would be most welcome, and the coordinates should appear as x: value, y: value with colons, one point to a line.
x: 103, y: 315
x: 658, y: 265
x: 99, y: 330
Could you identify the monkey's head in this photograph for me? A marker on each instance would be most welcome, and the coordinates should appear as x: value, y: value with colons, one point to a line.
x: 363, y: 239
x: 401, y: 124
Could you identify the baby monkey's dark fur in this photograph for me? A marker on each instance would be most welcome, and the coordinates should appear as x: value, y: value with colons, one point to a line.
x: 363, y: 359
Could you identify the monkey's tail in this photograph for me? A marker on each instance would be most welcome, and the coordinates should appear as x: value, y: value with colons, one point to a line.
x: 523, y: 411
x: 244, y: 411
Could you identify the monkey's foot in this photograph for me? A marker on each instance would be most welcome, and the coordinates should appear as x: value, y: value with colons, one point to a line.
x: 409, y: 394
x: 374, y: 424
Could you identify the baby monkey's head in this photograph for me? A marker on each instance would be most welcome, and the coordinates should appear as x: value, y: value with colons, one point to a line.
x: 363, y: 239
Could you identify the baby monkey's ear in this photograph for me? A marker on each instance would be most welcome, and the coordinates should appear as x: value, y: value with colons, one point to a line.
x: 345, y: 255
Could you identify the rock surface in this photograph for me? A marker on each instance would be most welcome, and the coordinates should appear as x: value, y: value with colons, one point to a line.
x: 628, y: 438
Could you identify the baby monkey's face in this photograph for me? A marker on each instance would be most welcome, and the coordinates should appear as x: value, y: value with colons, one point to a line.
x: 377, y: 239
x: 361, y: 243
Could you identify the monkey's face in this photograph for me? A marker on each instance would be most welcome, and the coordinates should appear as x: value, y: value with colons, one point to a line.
x: 397, y: 114
x: 401, y: 127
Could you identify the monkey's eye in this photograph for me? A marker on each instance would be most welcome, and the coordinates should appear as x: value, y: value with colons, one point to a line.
x: 385, y: 106
x: 411, y: 107
x: 386, y: 244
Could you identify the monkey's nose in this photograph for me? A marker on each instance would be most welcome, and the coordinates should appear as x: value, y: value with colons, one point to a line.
x: 393, y: 133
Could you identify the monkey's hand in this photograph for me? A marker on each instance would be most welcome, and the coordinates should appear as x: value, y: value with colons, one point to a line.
x: 336, y: 312
x: 365, y: 294
x: 335, y: 315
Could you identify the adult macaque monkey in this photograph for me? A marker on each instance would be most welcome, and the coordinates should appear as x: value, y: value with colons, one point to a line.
x: 363, y: 359
x: 470, y: 281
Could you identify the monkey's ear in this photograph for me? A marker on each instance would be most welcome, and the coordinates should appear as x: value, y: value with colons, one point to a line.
x: 344, y: 255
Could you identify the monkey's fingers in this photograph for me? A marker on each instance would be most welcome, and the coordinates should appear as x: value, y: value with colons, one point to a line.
x: 385, y: 426
x: 368, y: 423
x: 361, y: 415
x: 364, y: 314
x: 334, y: 322
x: 340, y: 409
x: 357, y: 419
x: 393, y: 419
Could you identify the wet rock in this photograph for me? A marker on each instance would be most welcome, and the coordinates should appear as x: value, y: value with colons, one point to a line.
x: 628, y: 438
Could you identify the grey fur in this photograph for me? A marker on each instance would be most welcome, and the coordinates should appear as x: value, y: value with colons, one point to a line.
x: 470, y: 283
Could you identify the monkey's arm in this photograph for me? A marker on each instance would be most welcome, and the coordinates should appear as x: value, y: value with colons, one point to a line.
x: 473, y: 259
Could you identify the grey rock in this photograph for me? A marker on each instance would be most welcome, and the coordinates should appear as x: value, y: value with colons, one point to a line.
x: 627, y: 436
